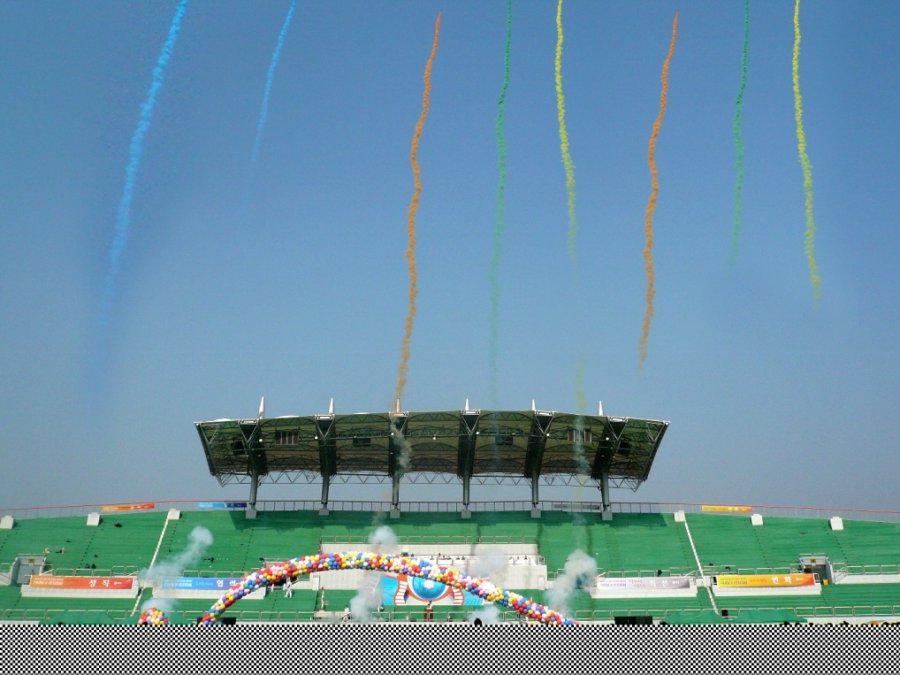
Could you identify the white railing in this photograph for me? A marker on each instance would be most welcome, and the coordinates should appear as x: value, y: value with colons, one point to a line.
x: 851, y: 613
x: 500, y: 506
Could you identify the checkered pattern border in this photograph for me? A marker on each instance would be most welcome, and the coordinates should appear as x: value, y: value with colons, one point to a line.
x: 449, y: 649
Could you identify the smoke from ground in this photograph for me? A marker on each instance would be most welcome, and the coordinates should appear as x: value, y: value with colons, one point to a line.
x: 579, y: 572
x: 382, y: 536
x: 489, y: 614
x: 198, y: 541
x: 369, y: 597
x: 490, y: 565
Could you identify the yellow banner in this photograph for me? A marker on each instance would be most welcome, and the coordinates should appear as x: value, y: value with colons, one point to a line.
x: 145, y: 506
x: 726, y: 508
x: 764, y: 580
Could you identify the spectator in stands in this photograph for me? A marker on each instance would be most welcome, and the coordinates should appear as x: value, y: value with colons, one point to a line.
x: 288, y: 588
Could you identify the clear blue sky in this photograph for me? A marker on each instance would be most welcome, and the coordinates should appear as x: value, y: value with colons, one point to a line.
x: 299, y: 293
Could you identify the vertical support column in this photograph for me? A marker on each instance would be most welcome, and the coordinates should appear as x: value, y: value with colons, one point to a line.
x: 466, y: 514
x: 535, y: 497
x: 254, y: 484
x: 397, y: 464
x: 326, y: 483
x: 395, y: 494
x: 604, y: 495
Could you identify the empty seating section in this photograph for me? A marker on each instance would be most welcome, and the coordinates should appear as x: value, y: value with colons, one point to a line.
x: 836, y: 600
x: 777, y: 545
x: 868, y: 546
x: 629, y: 545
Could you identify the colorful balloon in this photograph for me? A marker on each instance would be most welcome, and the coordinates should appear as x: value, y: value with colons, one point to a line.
x: 153, y: 617
x: 424, y: 569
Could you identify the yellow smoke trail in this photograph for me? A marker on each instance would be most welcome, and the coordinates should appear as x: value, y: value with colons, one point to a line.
x: 654, y: 189
x: 810, y: 233
x: 564, y: 136
x: 411, y: 219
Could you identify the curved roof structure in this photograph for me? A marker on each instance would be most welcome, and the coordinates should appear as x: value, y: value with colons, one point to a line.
x: 501, y: 444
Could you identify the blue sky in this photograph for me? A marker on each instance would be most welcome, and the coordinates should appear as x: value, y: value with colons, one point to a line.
x: 298, y: 290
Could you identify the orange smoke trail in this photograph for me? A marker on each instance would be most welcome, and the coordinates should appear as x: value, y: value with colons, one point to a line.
x: 654, y: 189
x: 411, y: 219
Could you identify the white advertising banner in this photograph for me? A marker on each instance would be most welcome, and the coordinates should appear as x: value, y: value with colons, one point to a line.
x: 636, y: 587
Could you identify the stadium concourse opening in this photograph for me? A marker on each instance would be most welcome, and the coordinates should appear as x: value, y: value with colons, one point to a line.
x: 485, y: 446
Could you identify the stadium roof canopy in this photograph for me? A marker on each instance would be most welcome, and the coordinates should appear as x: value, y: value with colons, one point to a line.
x: 504, y: 445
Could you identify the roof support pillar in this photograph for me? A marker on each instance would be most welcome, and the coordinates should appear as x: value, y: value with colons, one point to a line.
x: 254, y: 484
x: 327, y: 461
x: 326, y: 483
x: 604, y: 495
x: 534, y: 455
x: 535, y: 497
x: 465, y: 458
x: 466, y: 513
x: 399, y: 452
x: 395, y: 495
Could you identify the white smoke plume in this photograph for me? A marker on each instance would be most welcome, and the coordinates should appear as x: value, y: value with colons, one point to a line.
x: 382, y: 536
x: 489, y: 614
x: 580, y: 572
x: 366, y: 601
x: 198, y: 541
x: 166, y: 605
x: 490, y: 564
x: 369, y: 597
x: 404, y: 459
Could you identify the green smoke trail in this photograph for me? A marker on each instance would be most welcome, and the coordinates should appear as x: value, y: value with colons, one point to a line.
x: 810, y: 233
x: 499, y: 210
x: 564, y: 137
x: 739, y: 141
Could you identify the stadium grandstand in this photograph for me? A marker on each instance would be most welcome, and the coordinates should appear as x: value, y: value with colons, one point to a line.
x: 649, y: 562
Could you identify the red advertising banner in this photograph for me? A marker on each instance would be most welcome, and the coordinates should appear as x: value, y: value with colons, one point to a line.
x: 765, y: 580
x: 726, y: 508
x: 145, y: 506
x: 89, y: 583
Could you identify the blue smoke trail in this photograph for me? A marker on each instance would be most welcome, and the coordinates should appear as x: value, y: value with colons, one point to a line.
x: 264, y: 107
x: 123, y: 215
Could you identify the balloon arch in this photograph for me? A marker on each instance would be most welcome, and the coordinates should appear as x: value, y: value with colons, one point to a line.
x: 374, y: 562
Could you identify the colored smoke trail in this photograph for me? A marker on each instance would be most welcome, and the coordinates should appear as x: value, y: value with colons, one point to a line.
x: 654, y: 189
x: 500, y: 210
x: 564, y: 137
x: 411, y: 218
x: 123, y: 214
x: 739, y: 140
x: 810, y: 233
x: 580, y: 399
x: 264, y: 106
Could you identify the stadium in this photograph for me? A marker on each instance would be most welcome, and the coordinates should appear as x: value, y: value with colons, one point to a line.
x: 592, y: 560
